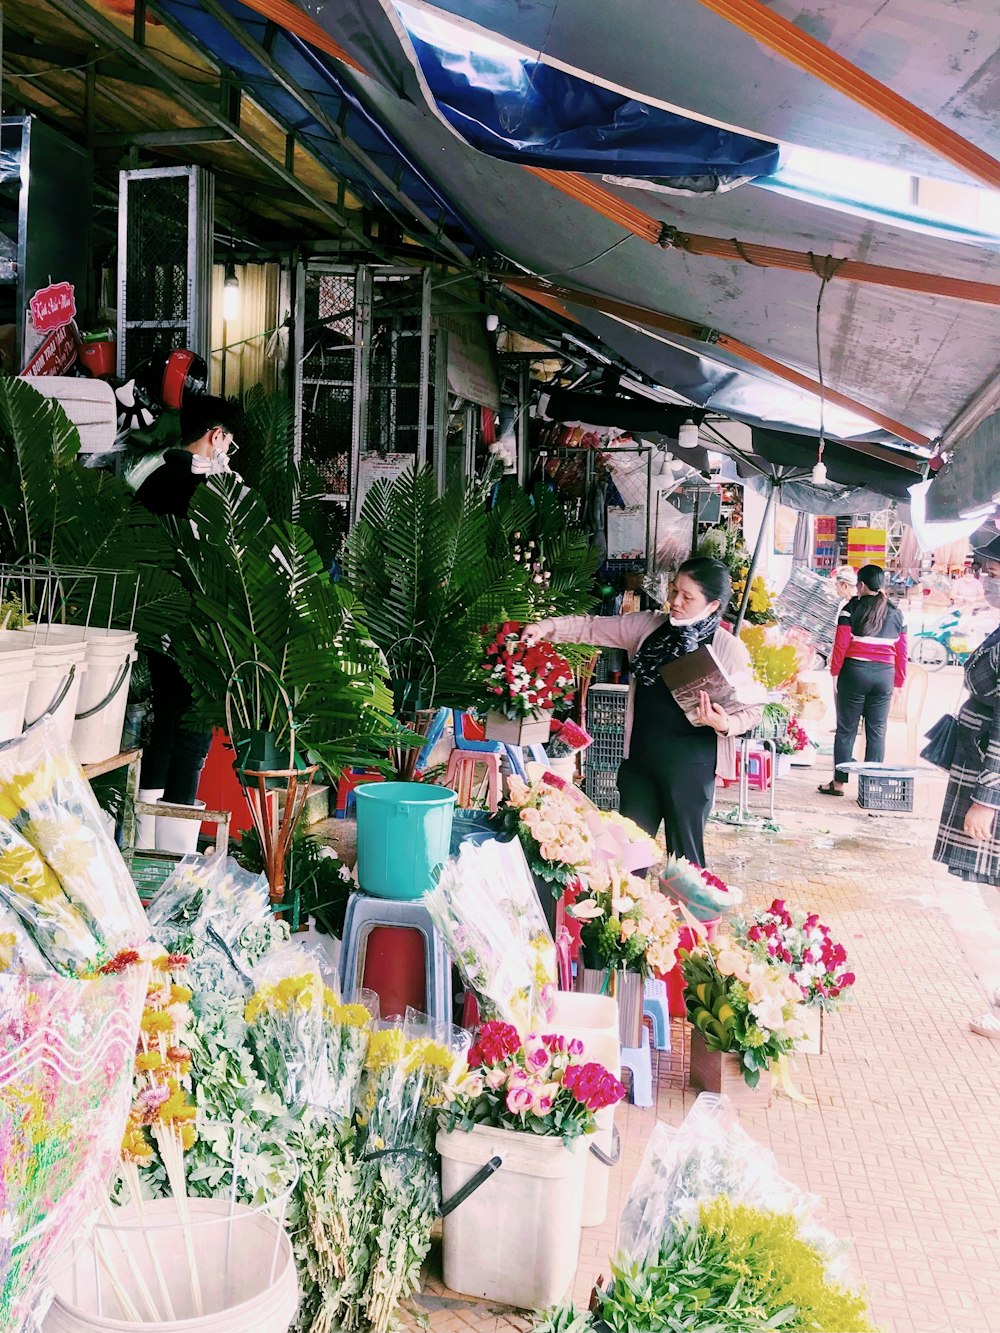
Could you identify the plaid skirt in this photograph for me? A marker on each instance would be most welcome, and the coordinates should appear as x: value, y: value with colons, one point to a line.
x: 978, y: 862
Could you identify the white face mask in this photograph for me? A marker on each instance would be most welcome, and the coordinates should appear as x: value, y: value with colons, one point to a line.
x: 691, y: 620
x: 991, y: 590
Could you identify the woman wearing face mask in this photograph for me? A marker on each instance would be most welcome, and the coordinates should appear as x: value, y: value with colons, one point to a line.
x: 670, y: 764
x: 868, y: 663
x: 968, y: 840
x: 173, y: 759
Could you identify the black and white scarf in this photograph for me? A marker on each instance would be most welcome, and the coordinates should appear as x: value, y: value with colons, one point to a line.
x: 668, y: 643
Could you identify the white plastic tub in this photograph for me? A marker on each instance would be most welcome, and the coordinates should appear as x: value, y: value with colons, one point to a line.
x: 100, y: 721
x: 17, y: 673
x: 594, y: 1020
x: 256, y: 1292
x: 59, y: 667
x: 516, y: 1240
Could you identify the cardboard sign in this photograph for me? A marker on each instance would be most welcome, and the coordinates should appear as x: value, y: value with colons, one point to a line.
x: 55, y: 356
x: 53, y: 307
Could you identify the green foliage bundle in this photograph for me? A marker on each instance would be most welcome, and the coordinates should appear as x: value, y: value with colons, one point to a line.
x: 317, y: 883
x: 733, y: 1269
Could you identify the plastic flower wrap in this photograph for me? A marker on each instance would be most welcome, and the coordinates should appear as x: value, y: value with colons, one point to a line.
x: 553, y: 829
x: 621, y: 840
x: 707, y: 1156
x: 569, y: 739
x: 46, y: 798
x: 18, y: 951
x: 64, y: 934
x: 743, y: 1004
x: 406, y: 1071
x: 66, y: 1051
x: 520, y: 680
x: 803, y: 944
x: 626, y: 925
x: 487, y: 911
x: 287, y: 1017
x: 704, y: 895
x: 538, y: 1084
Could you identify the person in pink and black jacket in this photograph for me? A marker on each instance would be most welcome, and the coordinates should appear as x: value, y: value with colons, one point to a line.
x: 868, y: 663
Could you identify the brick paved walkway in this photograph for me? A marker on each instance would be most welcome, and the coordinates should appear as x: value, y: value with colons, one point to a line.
x: 902, y: 1139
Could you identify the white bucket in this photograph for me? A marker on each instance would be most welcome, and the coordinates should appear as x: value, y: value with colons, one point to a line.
x: 594, y: 1020
x: 59, y: 667
x: 256, y: 1292
x: 103, y: 694
x: 17, y: 672
x: 176, y: 834
x: 516, y: 1240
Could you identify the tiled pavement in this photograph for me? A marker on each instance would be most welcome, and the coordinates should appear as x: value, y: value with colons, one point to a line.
x: 902, y: 1140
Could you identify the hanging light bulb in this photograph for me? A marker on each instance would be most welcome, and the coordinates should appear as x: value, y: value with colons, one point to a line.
x: 819, y: 477
x: 231, y: 294
x: 687, y: 436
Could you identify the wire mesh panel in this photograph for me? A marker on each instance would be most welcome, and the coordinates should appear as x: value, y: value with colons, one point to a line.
x: 165, y: 221
x: 327, y: 331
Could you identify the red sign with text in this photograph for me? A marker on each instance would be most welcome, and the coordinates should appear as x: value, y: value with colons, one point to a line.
x: 55, y: 356
x: 53, y: 307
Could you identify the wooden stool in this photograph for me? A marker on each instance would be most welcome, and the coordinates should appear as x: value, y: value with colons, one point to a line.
x: 461, y: 776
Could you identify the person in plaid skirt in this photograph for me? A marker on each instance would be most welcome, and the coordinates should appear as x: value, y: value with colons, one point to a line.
x: 968, y: 839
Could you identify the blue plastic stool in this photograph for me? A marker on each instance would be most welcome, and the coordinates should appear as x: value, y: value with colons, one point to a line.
x: 365, y: 914
x: 655, y: 1007
x: 640, y: 1060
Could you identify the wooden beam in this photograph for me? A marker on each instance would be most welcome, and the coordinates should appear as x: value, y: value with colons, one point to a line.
x: 686, y: 328
x: 797, y: 47
x: 652, y: 230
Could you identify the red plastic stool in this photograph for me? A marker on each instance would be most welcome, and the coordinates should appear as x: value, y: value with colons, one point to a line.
x: 462, y: 772
x: 759, y: 775
x: 220, y: 789
x: 349, y: 779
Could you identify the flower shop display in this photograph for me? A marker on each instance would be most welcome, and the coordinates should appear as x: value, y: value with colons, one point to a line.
x: 518, y: 1117
x: 522, y: 686
x: 295, y: 1084
x: 713, y: 1236
x: 487, y: 911
x: 745, y: 1012
x: 816, y: 962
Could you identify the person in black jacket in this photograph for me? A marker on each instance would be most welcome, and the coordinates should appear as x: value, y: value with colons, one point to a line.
x: 173, y: 759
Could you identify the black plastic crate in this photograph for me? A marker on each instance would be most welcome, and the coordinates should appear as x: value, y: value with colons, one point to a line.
x: 601, y: 785
x: 606, y: 708
x: 885, y: 791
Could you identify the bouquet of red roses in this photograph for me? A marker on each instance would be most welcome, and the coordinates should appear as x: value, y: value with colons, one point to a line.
x: 520, y: 680
x: 817, y: 962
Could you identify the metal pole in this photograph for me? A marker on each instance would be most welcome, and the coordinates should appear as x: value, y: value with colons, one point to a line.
x: 758, y: 547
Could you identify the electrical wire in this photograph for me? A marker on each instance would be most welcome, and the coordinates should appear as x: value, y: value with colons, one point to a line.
x: 54, y: 69
x: 824, y: 281
x: 561, y: 273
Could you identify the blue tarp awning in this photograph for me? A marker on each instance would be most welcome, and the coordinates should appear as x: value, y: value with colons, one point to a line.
x: 523, y: 110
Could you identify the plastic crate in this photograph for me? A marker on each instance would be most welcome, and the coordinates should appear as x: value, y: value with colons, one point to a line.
x: 606, y: 708
x: 606, y: 751
x: 885, y: 791
x: 601, y: 786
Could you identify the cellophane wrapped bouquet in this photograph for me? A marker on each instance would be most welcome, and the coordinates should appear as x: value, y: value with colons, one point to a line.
x: 487, y: 911
x: 626, y: 923
x: 713, y: 1236
x: 407, y: 1068
x: 73, y: 976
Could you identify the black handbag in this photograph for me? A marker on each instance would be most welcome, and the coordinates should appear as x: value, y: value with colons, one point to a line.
x: 942, y: 739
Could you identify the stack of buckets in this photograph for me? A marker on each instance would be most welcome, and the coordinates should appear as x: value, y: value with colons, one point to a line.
x: 79, y: 674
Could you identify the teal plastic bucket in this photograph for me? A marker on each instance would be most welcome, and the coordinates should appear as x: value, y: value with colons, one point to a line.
x: 404, y: 836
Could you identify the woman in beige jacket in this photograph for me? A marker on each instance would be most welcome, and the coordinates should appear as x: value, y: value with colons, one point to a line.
x: 670, y: 763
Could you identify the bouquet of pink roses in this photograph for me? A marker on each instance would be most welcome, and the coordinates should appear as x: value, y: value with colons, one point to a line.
x: 536, y: 1085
